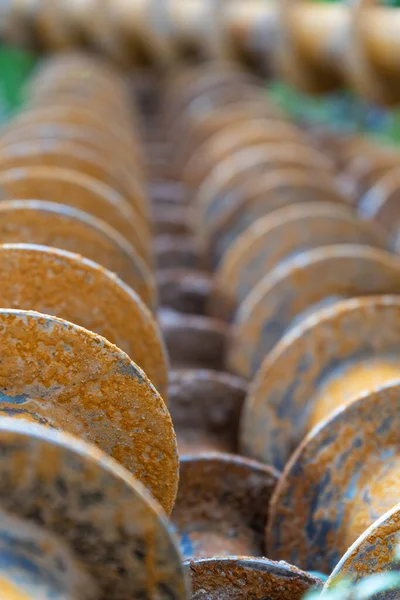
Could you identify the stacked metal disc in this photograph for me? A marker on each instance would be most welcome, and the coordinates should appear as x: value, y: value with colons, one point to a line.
x: 281, y: 314
x: 272, y: 249
x: 81, y: 351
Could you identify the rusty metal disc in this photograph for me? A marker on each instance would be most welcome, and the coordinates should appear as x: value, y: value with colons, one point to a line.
x: 70, y: 155
x: 380, y: 203
x: 67, y: 377
x: 205, y: 408
x: 63, y: 284
x: 373, y: 552
x: 262, y: 196
x: 211, y: 122
x: 346, y: 475
x: 74, y: 189
x: 278, y: 236
x: 193, y: 341
x: 184, y: 290
x: 326, y: 361
x: 215, y: 194
x: 364, y: 171
x: 238, y: 577
x: 221, y: 506
x: 299, y: 286
x: 60, y: 226
x: 87, y: 137
x: 78, y: 116
x: 65, y: 489
x: 226, y: 141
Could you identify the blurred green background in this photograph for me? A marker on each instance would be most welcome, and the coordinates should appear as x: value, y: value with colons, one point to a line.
x: 340, y: 111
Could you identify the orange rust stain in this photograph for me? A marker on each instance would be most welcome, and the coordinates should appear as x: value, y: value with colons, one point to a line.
x: 356, y: 380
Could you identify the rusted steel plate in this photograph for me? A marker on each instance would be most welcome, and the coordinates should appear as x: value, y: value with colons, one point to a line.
x: 297, y: 287
x: 71, y: 155
x: 193, y: 341
x: 205, y: 408
x: 55, y: 372
x: 227, y: 140
x: 60, y: 226
x: 373, y: 552
x: 65, y: 490
x: 214, y: 195
x: 76, y: 289
x: 76, y: 115
x: 221, y: 506
x: 64, y: 186
x: 184, y: 290
x: 380, y: 203
x: 85, y: 136
x: 176, y: 252
x: 278, y: 236
x: 255, y: 198
x: 235, y: 114
x: 325, y: 362
x: 238, y: 577
x: 345, y: 474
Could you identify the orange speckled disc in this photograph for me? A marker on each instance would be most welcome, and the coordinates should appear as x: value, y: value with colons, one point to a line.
x: 68, y: 286
x: 279, y: 235
x: 75, y: 380
x: 60, y: 226
x: 301, y: 285
x: 65, y: 186
x: 85, y: 136
x: 226, y: 141
x: 70, y: 155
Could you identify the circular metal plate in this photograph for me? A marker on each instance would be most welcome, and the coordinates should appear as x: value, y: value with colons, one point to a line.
x: 235, y: 578
x: 65, y: 490
x: 342, y: 478
x: 278, y: 236
x: 60, y: 226
x: 70, y: 155
x: 55, y: 372
x: 260, y: 196
x: 64, y: 186
x: 78, y: 290
x: 222, y: 503
x: 299, y: 286
x: 205, y: 408
x: 326, y: 361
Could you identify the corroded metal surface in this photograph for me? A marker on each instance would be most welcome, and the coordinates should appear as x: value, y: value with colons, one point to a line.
x: 61, y: 226
x: 63, y: 284
x: 62, y: 533
x: 55, y: 372
x: 276, y: 237
x: 221, y: 506
x: 325, y: 362
x: 238, y: 577
x: 297, y: 287
x: 64, y: 186
x: 205, y: 408
x: 184, y: 290
x: 345, y: 474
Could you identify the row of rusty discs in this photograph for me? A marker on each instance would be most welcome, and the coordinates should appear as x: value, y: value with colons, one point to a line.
x: 89, y: 464
x: 281, y: 314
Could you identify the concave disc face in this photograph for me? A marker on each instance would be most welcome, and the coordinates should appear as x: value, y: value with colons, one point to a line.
x: 79, y: 521
x: 57, y: 373
x: 70, y: 287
